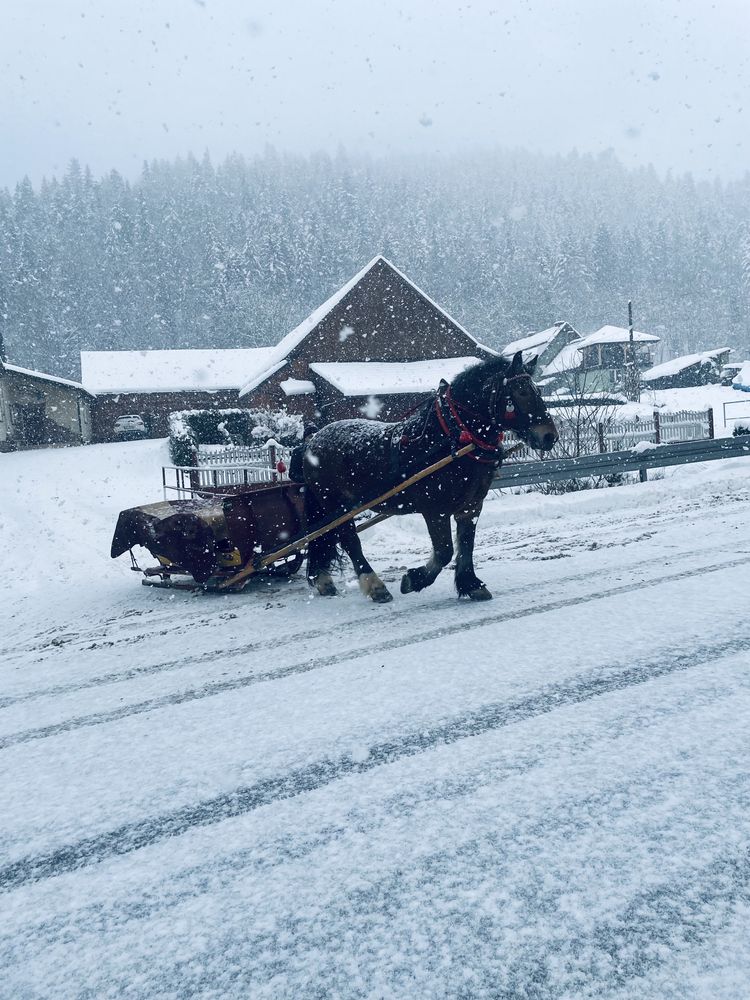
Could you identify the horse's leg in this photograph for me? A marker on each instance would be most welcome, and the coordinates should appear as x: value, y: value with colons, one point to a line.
x: 442, y: 551
x: 320, y: 555
x: 468, y: 583
x: 369, y: 582
x: 322, y: 551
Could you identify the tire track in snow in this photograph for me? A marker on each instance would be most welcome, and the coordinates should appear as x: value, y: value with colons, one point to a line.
x: 685, y: 911
x: 678, y: 912
x: 293, y: 639
x: 248, y: 680
x: 288, y: 847
x: 133, y: 618
x: 143, y: 833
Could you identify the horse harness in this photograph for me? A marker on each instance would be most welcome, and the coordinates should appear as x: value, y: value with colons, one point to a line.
x: 450, y: 417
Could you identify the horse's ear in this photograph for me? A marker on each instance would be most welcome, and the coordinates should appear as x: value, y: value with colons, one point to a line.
x: 516, y: 365
x: 530, y: 366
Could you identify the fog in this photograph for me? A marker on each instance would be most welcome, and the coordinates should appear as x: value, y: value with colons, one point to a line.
x: 116, y: 83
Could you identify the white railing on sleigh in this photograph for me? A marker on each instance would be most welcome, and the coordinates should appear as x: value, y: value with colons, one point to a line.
x: 189, y: 480
x: 218, y: 466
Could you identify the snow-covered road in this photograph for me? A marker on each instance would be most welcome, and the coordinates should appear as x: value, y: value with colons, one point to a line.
x: 270, y: 795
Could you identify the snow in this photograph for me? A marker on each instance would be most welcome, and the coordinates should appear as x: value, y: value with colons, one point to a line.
x: 365, y: 378
x: 567, y: 359
x: 169, y: 371
x: 695, y: 398
x: 41, y: 375
x: 616, y: 335
x: 741, y: 380
x: 271, y: 794
x: 677, y: 365
x: 297, y: 387
x: 643, y: 446
x: 532, y: 345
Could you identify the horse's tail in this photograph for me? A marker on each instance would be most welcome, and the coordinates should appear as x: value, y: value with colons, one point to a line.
x: 322, y: 552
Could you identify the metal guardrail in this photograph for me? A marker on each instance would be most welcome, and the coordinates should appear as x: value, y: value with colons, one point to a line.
x: 655, y: 457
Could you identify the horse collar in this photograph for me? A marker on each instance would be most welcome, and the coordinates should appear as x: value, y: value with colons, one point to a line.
x: 458, y: 431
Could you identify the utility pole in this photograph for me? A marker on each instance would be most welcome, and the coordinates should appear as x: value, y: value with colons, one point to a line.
x: 632, y: 379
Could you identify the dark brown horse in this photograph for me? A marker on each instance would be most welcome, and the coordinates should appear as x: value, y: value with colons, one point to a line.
x: 351, y: 461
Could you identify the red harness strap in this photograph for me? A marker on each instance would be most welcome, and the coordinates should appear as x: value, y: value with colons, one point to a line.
x: 466, y: 435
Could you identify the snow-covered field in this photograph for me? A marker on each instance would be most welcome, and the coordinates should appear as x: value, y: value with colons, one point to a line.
x: 274, y: 795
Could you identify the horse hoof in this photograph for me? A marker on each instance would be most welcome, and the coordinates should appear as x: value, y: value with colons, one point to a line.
x: 326, y: 587
x: 414, y: 580
x: 480, y: 594
x: 381, y: 596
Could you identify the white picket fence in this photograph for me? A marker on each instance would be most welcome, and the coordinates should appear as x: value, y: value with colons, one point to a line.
x: 222, y: 455
x: 588, y: 437
x: 685, y: 425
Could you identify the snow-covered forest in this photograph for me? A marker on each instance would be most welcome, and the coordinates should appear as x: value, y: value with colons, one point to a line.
x: 198, y: 255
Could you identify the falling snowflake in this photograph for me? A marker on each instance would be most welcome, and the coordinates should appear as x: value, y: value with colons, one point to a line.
x: 372, y: 408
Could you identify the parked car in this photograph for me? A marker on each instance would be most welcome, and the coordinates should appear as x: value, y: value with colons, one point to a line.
x: 130, y: 425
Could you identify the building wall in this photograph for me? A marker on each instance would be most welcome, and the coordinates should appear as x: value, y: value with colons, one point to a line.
x: 327, y: 404
x: 35, y: 412
x: 384, y: 407
x: 5, y: 414
x: 384, y: 318
x: 154, y: 408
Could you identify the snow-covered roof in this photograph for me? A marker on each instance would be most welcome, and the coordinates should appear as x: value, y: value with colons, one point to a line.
x: 286, y: 345
x: 617, y: 335
x: 568, y: 359
x: 677, y: 365
x: 370, y: 378
x: 41, y: 375
x: 297, y: 387
x: 169, y: 371
x: 534, y: 344
x: 741, y: 380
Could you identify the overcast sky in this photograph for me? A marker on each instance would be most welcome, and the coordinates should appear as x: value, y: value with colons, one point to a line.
x: 114, y: 82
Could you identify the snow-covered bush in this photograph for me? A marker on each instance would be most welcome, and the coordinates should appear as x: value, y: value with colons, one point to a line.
x: 741, y: 427
x: 190, y: 428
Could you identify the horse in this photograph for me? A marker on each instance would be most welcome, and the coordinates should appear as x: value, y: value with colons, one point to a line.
x: 348, y: 462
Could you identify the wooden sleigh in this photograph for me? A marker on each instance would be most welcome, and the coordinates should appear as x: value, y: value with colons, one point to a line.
x: 218, y: 541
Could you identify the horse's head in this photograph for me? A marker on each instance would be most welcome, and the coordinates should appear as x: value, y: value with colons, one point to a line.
x: 525, y: 412
x: 501, y: 395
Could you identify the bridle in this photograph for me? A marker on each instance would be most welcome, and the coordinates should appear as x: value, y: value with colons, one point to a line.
x: 503, y: 415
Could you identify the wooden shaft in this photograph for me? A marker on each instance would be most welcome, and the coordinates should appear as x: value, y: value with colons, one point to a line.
x: 253, y: 567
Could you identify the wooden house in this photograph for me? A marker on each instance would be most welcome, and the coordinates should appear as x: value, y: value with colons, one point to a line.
x: 375, y: 348
x: 39, y: 410
x: 153, y: 384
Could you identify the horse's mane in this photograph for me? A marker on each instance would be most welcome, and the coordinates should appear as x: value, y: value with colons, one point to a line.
x: 477, y: 375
